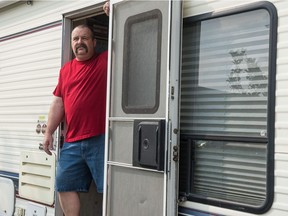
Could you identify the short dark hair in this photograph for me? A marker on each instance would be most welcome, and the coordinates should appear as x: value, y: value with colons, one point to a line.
x: 88, y: 27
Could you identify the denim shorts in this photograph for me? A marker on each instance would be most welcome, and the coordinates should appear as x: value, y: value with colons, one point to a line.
x: 79, y: 163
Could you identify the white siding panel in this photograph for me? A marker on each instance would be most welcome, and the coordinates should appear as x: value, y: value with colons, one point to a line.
x: 21, y: 16
x: 193, y: 8
x: 29, y: 72
x: 281, y: 118
x: 281, y: 187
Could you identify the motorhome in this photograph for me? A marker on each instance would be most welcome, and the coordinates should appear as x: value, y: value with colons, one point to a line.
x: 197, y: 110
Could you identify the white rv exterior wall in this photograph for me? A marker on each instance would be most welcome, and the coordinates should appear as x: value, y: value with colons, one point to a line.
x: 29, y: 66
x: 30, y: 59
x: 280, y: 204
x: 29, y: 69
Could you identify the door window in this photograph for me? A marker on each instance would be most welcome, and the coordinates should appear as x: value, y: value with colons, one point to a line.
x: 141, y: 62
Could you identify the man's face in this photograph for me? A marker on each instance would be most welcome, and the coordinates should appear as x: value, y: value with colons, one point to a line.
x: 82, y: 43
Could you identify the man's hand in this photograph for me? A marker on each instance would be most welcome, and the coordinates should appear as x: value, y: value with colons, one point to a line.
x: 106, y: 8
x: 48, y: 143
x: 56, y: 114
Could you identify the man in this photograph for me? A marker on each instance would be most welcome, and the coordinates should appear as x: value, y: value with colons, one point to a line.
x: 80, y: 99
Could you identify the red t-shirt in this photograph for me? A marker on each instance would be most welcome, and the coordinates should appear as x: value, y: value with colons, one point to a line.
x: 82, y: 86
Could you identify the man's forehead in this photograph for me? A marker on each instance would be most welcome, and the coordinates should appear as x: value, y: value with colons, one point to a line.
x: 80, y: 31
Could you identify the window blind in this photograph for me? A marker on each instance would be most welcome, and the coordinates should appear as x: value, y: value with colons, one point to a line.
x: 225, y: 76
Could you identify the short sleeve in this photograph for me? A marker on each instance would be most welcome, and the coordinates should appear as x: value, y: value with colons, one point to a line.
x: 58, y: 89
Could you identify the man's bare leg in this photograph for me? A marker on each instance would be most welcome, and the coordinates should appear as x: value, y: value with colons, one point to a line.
x: 70, y: 203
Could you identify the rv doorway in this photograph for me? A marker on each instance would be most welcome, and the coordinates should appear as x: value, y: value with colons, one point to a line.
x: 91, y: 202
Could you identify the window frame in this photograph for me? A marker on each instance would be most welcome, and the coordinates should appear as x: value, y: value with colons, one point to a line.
x: 270, y: 8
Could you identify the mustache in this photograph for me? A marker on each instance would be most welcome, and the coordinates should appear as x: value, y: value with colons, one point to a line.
x: 81, y: 46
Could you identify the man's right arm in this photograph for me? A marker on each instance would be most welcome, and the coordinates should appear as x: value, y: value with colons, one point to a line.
x: 56, y: 114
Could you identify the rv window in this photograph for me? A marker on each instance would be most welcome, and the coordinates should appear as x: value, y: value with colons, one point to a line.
x: 141, y: 62
x: 227, y: 102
